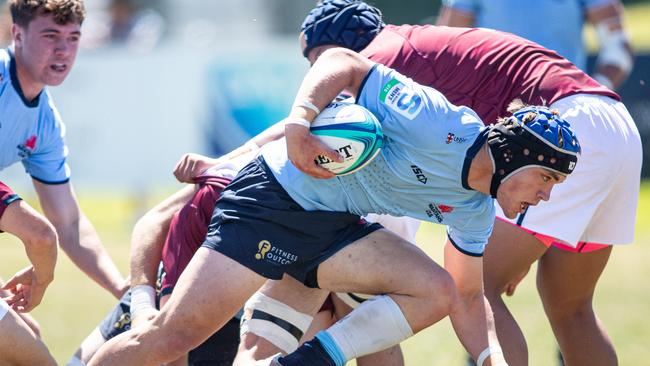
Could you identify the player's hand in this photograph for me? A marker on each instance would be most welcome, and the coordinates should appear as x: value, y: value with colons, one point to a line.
x: 144, y: 316
x: 26, y: 290
x: 303, y: 149
x: 512, y: 285
x: 191, y: 166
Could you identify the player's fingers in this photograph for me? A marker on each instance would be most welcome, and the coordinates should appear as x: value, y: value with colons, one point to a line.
x: 11, y: 283
x: 328, y: 152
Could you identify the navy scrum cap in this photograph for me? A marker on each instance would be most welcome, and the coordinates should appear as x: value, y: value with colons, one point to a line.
x: 533, y: 136
x: 348, y: 23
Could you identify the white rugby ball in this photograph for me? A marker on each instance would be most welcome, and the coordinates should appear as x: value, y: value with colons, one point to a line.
x: 351, y: 130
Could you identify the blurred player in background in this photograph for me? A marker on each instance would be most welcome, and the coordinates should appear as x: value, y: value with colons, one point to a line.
x: 45, y: 41
x: 599, y: 200
x: 19, y: 343
x: 556, y: 25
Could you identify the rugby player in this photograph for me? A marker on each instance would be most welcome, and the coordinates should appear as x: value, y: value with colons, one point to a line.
x: 313, y: 224
x: 45, y: 38
x: 486, y: 70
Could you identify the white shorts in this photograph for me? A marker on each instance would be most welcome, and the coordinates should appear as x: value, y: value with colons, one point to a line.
x: 4, y: 308
x: 405, y: 227
x: 597, y: 202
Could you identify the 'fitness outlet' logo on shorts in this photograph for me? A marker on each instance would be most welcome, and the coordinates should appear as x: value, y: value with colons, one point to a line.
x: 274, y: 254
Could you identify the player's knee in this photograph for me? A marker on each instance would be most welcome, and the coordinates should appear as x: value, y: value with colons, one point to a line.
x: 440, y: 288
x: 570, y: 312
x: 274, y: 321
x: 436, y: 298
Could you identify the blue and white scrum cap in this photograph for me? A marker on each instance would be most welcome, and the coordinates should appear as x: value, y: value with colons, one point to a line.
x: 532, y: 136
x: 351, y: 24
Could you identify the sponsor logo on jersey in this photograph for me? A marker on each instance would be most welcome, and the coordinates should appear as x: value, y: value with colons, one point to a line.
x: 419, y: 174
x: 401, y: 98
x: 453, y: 138
x: 273, y: 254
x: 27, y: 147
x: 436, y: 210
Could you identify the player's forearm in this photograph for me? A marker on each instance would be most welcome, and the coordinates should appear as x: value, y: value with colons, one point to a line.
x: 81, y: 243
x: 149, y: 234
x: 615, y: 57
x: 42, y: 255
x: 473, y: 322
x: 147, y: 241
x: 336, y: 70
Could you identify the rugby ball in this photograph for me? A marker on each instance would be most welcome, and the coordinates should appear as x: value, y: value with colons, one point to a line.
x: 351, y: 130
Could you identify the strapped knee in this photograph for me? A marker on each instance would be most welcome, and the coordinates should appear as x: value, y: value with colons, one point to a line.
x: 353, y: 299
x: 274, y: 321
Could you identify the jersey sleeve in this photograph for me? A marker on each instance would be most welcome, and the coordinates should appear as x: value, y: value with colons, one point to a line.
x: 471, y: 236
x: 393, y: 97
x: 48, y: 162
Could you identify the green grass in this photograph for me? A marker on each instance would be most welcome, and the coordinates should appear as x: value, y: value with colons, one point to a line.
x: 74, y: 305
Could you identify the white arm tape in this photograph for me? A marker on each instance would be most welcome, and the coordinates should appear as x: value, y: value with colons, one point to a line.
x: 143, y: 297
x: 604, y: 80
x: 487, y: 353
x: 297, y: 121
x: 306, y: 104
x: 612, y: 47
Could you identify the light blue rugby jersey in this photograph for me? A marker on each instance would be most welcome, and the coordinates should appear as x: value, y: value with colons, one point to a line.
x: 555, y: 24
x: 31, y: 132
x: 421, y: 170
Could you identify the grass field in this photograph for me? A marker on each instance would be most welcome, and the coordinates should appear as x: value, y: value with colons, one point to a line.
x: 74, y: 305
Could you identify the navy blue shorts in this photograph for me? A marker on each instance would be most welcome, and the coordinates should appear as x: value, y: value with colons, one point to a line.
x: 257, y: 224
x: 118, y: 320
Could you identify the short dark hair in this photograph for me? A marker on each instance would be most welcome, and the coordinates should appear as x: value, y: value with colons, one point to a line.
x: 63, y: 11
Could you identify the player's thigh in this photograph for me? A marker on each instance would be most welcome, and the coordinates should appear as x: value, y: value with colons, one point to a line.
x: 567, y: 280
x: 209, y: 292
x: 510, y: 251
x: 295, y: 294
x: 21, y: 220
x: 18, y: 345
x: 381, y: 263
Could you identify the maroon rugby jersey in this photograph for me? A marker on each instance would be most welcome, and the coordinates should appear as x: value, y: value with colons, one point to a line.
x: 480, y: 68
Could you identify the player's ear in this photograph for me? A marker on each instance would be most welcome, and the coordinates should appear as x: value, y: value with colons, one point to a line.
x: 17, y: 34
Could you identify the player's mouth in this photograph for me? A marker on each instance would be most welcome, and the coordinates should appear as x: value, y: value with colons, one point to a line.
x: 523, y: 206
x: 59, y: 67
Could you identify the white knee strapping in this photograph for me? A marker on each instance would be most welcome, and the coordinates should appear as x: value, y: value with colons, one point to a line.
x: 373, y: 326
x: 353, y: 300
x: 4, y: 308
x: 274, y: 321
